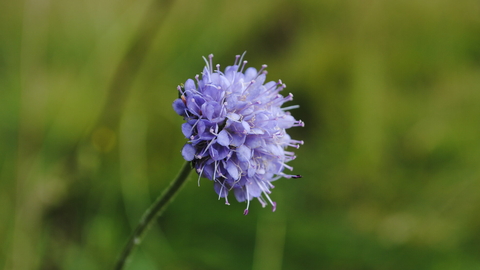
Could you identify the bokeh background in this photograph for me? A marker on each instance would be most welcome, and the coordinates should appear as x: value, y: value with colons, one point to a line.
x: 389, y: 92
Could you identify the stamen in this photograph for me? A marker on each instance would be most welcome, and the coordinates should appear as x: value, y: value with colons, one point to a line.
x: 200, y: 156
x: 262, y: 202
x: 215, y: 169
x: 300, y: 123
x: 179, y: 88
x: 290, y: 158
x: 252, y: 82
x: 214, y: 131
x: 194, y: 125
x: 237, y: 57
x: 200, y: 174
x: 296, y: 142
x: 226, y: 200
x: 261, y: 70
x: 194, y: 102
x: 243, y: 66
x: 294, y: 145
x: 220, y: 192
x: 288, y: 153
x: 287, y: 166
x: 278, y: 100
x: 248, y: 201
x: 262, y: 185
x: 274, y: 87
x: 274, y: 204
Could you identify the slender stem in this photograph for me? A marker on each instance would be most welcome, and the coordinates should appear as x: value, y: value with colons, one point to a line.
x: 152, y: 212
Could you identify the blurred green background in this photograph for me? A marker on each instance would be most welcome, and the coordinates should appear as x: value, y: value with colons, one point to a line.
x: 389, y: 92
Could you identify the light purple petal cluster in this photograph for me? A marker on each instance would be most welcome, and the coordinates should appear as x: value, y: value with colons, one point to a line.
x: 237, y: 130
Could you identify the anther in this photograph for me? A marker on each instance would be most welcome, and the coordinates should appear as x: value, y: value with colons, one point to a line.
x: 243, y: 65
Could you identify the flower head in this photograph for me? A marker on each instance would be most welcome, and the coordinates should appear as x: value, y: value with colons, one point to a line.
x: 237, y: 130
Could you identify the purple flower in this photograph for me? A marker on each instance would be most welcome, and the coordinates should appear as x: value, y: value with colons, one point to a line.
x: 237, y: 130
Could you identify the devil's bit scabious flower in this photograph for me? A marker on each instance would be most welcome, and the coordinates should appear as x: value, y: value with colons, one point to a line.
x: 237, y: 130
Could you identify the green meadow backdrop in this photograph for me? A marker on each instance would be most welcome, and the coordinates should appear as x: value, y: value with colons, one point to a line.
x: 389, y: 92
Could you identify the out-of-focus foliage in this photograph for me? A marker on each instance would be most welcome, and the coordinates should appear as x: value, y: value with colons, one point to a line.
x: 389, y: 91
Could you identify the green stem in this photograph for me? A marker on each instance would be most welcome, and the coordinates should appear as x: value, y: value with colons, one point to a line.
x: 152, y: 212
